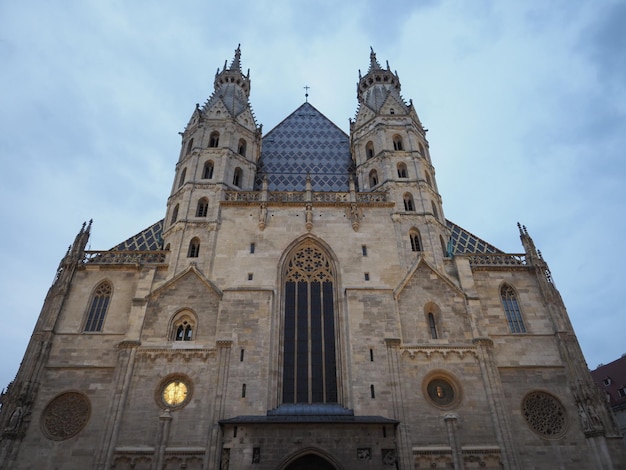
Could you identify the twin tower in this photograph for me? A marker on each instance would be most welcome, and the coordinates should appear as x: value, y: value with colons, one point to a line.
x: 225, y: 157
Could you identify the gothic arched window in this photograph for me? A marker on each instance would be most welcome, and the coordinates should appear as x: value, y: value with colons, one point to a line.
x: 373, y: 178
x: 416, y: 244
x: 435, y: 211
x: 98, y: 306
x: 189, y: 147
x: 202, y: 208
x: 444, y: 247
x: 174, y: 214
x: 207, y: 171
x: 428, y: 181
x: 369, y: 150
x: 237, y: 176
x: 309, y: 361
x: 402, y: 173
x: 397, y: 142
x: 512, y: 310
x: 241, y: 148
x: 183, y: 327
x: 183, y: 174
x: 421, y: 147
x: 194, y: 248
x: 409, y: 205
x: 432, y: 326
x: 214, y: 139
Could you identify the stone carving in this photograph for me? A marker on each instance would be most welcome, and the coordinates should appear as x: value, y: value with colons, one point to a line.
x: 545, y: 415
x: 262, y: 216
x: 389, y: 457
x: 65, y: 416
x: 364, y: 453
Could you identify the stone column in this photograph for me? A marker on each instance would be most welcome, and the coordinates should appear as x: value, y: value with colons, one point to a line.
x: 213, y: 447
x: 162, y: 437
x: 125, y: 368
x: 404, y: 452
x: 455, y: 444
x: 495, y: 398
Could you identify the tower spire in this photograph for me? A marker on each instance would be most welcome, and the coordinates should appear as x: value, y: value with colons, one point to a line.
x: 236, y: 63
x: 374, y: 65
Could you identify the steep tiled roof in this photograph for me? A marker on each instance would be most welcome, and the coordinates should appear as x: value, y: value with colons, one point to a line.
x: 305, y: 142
x: 462, y: 241
x: 146, y: 240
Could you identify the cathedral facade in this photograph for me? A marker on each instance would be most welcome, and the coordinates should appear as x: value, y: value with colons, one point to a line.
x: 305, y: 304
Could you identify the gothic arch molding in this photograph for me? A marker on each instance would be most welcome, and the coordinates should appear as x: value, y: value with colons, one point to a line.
x: 317, y: 455
x: 277, y: 357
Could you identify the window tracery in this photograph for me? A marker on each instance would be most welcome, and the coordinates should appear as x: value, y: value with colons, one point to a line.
x: 397, y: 142
x: 544, y: 414
x: 183, y: 328
x: 512, y: 310
x: 207, y: 171
x: 98, y: 307
x: 202, y: 208
x: 309, y: 361
x: 409, y: 205
x: 414, y: 236
x: 402, y: 171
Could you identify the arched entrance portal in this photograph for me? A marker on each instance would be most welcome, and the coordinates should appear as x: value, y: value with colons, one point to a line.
x: 310, y: 462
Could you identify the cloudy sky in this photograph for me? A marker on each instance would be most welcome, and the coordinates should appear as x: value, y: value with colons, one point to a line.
x: 525, y: 102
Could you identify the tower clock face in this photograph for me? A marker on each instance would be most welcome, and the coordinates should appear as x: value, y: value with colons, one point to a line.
x: 175, y: 393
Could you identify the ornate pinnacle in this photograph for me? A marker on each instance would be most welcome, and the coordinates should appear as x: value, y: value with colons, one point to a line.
x: 236, y: 61
x: 374, y: 65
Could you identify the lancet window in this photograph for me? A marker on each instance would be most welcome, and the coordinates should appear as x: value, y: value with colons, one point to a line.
x: 369, y: 150
x: 207, y: 171
x: 237, y: 176
x: 202, y: 208
x: 309, y: 361
x: 397, y: 142
x: 194, y: 248
x: 402, y: 172
x: 98, y: 307
x: 241, y: 148
x: 416, y: 244
x: 512, y: 310
x: 214, y: 139
x: 373, y: 178
x: 409, y: 205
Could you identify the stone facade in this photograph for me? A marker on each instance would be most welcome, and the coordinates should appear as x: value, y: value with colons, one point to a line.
x: 305, y: 304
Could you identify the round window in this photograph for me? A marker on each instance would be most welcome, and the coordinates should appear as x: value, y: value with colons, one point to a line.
x: 442, y: 391
x: 174, y: 392
x: 65, y: 416
x: 544, y: 414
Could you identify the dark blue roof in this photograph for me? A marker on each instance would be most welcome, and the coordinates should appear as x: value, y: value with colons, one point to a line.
x: 305, y: 142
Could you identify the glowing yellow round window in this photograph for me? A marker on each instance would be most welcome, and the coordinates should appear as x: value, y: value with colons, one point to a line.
x: 175, y: 393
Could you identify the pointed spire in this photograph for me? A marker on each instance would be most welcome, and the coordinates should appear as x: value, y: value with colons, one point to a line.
x: 236, y: 63
x: 375, y: 86
x: 374, y: 65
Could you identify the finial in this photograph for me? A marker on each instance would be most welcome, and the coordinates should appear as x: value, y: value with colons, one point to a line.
x: 374, y: 65
x: 306, y: 93
x: 359, y: 76
x: 388, y: 68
